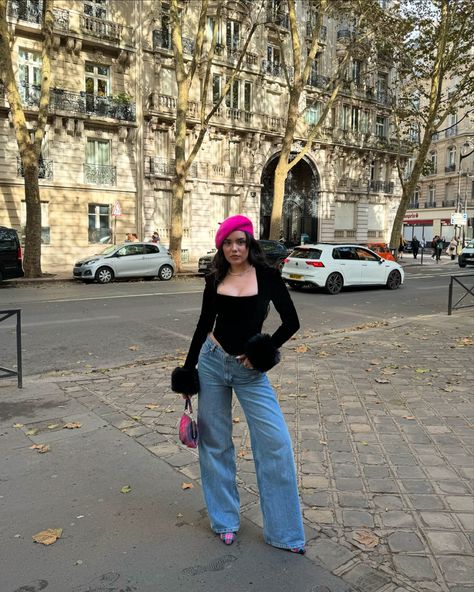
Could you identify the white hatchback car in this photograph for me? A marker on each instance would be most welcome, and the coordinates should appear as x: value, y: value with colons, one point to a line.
x: 332, y: 267
x: 127, y: 260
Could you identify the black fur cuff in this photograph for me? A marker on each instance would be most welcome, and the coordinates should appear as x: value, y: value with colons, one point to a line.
x: 261, y: 352
x: 185, y: 381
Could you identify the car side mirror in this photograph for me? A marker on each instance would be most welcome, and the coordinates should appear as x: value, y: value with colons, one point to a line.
x: 381, y: 260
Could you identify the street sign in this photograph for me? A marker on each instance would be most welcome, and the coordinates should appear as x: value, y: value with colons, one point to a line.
x: 116, y: 209
x: 459, y: 218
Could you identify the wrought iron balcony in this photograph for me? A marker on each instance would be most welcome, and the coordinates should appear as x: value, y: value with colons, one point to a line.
x: 165, y: 167
x: 99, y: 174
x: 430, y: 204
x: 275, y: 69
x: 448, y: 203
x: 100, y: 28
x: 343, y: 34
x: 450, y: 168
x: 317, y: 80
x: 323, y: 32
x: 414, y: 205
x: 26, y: 10
x: 90, y: 104
x: 61, y: 19
x: 278, y: 18
x: 383, y: 97
x: 30, y: 94
x: 45, y: 168
x: 381, y: 186
x: 162, y: 40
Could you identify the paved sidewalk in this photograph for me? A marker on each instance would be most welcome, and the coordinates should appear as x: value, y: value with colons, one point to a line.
x: 381, y: 416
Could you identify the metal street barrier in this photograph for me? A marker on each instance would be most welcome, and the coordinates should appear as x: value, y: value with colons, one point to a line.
x: 6, y: 314
x: 467, y: 291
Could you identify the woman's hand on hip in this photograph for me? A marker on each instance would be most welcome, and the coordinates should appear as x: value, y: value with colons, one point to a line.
x: 242, y: 359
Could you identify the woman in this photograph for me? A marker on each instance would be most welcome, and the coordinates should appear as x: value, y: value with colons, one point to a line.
x: 231, y: 353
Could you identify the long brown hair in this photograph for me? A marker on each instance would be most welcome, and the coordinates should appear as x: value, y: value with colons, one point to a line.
x: 220, y: 265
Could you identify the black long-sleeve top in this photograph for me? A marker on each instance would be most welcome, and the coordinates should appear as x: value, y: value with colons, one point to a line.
x: 234, y: 319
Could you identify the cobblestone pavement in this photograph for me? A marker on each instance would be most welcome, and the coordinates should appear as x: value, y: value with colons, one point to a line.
x: 381, y: 416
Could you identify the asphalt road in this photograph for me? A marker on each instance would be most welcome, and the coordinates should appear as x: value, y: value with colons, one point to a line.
x: 70, y: 327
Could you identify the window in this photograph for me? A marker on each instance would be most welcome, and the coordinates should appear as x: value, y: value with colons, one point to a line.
x: 99, y: 223
x: 248, y: 96
x: 313, y: 112
x: 345, y: 117
x: 165, y: 41
x: 45, y: 229
x: 29, y: 74
x: 355, y: 118
x: 234, y: 155
x: 416, y: 196
x: 273, y: 60
x: 347, y: 253
x: 232, y: 35
x: 381, y: 126
x: 96, y: 8
x: 97, y: 79
x: 97, y: 169
x: 232, y: 97
x: 210, y: 32
x: 356, y: 71
x: 452, y: 128
x: 433, y: 163
x: 432, y: 196
x: 451, y: 158
x: 382, y: 86
x: 216, y: 88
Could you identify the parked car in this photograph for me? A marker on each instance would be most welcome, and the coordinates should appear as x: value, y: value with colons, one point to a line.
x: 381, y: 249
x: 127, y: 260
x: 333, y: 266
x: 11, y: 257
x: 274, y: 251
x: 466, y: 256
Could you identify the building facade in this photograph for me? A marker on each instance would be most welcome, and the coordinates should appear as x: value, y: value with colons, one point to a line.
x: 448, y: 186
x: 109, y: 145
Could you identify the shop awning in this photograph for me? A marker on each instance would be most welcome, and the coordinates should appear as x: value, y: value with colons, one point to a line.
x: 417, y: 222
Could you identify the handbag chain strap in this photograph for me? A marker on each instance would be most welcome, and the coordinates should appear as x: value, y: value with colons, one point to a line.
x: 188, y: 406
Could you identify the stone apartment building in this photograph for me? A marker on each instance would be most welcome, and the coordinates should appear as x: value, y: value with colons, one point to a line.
x: 109, y: 145
x: 449, y: 186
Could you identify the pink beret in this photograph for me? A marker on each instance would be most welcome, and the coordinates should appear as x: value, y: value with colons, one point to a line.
x: 230, y: 225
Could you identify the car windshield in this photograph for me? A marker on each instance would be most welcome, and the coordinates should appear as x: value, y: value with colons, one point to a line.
x: 470, y: 244
x: 300, y: 253
x: 108, y: 250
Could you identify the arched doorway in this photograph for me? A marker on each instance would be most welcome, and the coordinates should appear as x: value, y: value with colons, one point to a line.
x: 300, y: 205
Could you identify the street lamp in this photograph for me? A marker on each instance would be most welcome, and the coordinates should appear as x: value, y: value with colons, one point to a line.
x: 464, y: 152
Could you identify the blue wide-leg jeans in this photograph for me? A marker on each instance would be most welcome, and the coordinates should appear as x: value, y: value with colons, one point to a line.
x: 219, y: 374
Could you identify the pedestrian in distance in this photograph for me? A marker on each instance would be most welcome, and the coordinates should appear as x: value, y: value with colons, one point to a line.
x: 232, y: 355
x: 129, y: 237
x: 155, y: 237
x: 433, y: 244
x: 452, y: 248
x: 401, y: 247
x: 415, y: 245
x: 439, y: 248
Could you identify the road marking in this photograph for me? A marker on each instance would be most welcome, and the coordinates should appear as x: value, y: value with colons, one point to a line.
x: 65, y: 321
x: 121, y: 296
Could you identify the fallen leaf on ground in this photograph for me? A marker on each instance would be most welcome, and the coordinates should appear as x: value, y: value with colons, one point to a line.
x: 136, y: 417
x: 53, y: 426
x: 448, y: 389
x: 301, y: 349
x: 323, y: 442
x: 382, y: 380
x: 126, y: 489
x: 422, y: 370
x: 366, y: 538
x: 32, y: 432
x: 236, y: 419
x: 151, y: 406
x: 465, y: 341
x: 72, y: 425
x: 170, y: 410
x: 134, y: 347
x: 48, y: 537
x: 186, y: 485
x: 18, y: 425
x: 408, y: 417
x: 41, y: 448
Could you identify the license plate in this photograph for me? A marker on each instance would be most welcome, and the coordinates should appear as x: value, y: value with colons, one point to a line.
x: 295, y: 276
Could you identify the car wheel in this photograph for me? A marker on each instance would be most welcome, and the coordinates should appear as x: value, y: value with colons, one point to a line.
x: 394, y: 280
x: 1, y: 276
x: 297, y: 286
x: 334, y: 283
x: 462, y: 264
x: 165, y: 273
x: 104, y: 275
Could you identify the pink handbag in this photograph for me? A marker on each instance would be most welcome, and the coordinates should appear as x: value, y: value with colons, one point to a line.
x: 188, y: 430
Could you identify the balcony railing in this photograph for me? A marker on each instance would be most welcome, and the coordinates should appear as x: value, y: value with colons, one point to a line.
x: 414, y: 205
x: 344, y: 34
x: 323, y: 32
x: 100, y: 28
x: 278, y: 18
x: 162, y: 40
x: 318, y: 80
x: 98, y: 174
x: 45, y: 168
x: 381, y: 186
x: 430, y: 204
x: 26, y: 10
x: 161, y: 166
x: 451, y: 131
x: 450, y: 168
x: 448, y: 203
x: 90, y: 104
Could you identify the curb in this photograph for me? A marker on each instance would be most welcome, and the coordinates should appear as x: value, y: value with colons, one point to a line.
x: 56, y: 278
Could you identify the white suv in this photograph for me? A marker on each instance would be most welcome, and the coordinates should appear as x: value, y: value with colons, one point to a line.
x: 333, y: 266
x: 466, y: 256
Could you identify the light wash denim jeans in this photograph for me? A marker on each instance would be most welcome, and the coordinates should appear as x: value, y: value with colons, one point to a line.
x: 219, y: 373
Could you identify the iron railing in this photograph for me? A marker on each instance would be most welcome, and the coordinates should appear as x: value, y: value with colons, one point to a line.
x: 166, y: 167
x: 6, y: 314
x: 90, y: 104
x: 162, y: 40
x: 323, y: 31
x: 381, y: 186
x: 98, y: 174
x: 450, y: 168
x: 26, y: 10
x: 276, y: 17
x: 45, y: 168
x: 318, y: 80
x: 467, y: 291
